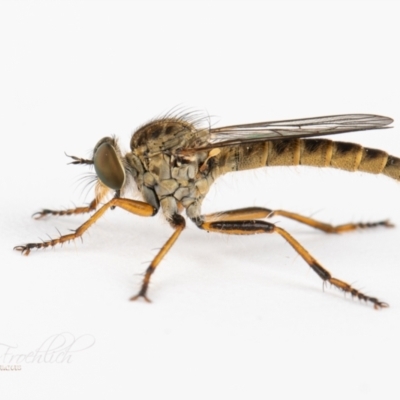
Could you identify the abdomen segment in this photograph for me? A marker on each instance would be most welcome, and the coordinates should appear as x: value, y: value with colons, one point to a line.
x: 311, y: 152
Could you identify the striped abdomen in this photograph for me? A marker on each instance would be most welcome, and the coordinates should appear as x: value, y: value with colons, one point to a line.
x: 312, y: 152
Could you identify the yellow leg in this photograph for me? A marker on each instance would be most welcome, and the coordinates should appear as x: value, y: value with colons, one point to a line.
x: 260, y: 212
x: 242, y: 226
x: 133, y: 206
x: 178, y: 223
x: 70, y: 211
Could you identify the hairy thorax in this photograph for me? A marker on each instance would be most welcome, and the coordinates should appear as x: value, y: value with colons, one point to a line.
x: 167, y: 174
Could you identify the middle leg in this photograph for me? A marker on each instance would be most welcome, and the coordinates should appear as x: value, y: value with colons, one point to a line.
x: 178, y: 223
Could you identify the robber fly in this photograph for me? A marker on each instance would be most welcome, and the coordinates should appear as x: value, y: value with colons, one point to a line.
x: 174, y: 160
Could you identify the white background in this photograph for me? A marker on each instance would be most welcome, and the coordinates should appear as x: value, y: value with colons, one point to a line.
x: 238, y: 317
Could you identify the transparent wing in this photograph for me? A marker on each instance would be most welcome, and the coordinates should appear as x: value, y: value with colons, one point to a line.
x: 295, y: 128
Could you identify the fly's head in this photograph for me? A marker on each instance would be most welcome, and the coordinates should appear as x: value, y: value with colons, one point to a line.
x: 108, y: 164
x: 110, y: 167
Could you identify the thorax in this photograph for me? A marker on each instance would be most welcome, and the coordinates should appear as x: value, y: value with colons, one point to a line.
x: 166, y: 178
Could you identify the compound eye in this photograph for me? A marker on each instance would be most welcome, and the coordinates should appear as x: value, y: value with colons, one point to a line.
x: 108, y: 167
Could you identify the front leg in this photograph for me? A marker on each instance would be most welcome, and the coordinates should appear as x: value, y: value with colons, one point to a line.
x: 70, y: 211
x: 101, y: 193
x: 133, y: 206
